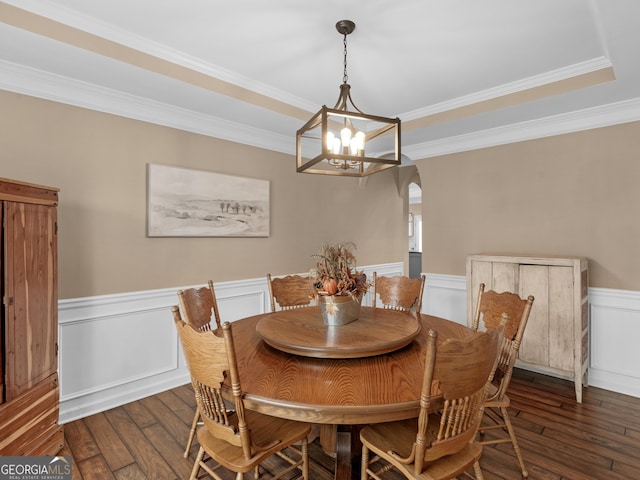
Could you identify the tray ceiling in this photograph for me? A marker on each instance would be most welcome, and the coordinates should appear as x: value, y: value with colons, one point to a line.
x: 460, y: 74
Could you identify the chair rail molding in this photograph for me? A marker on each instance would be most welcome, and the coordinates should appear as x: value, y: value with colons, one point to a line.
x: 115, y: 349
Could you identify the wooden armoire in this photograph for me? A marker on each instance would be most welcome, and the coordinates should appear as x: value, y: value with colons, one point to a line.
x: 29, y: 391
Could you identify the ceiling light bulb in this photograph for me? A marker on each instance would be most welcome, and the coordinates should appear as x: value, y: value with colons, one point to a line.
x: 354, y: 146
x: 337, y: 145
x: 330, y: 140
x: 345, y: 135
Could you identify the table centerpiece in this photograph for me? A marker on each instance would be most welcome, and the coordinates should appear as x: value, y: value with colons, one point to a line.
x: 338, y: 285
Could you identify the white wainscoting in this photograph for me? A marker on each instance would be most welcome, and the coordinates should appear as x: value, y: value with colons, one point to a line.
x: 115, y: 349
x: 446, y: 296
x: 615, y: 330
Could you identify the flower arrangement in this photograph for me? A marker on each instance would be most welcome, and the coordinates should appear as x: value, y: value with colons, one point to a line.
x: 335, y: 271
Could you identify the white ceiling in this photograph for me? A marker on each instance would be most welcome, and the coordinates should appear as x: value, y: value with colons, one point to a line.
x: 460, y: 74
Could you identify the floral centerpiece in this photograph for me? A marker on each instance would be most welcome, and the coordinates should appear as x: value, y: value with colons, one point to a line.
x: 338, y: 285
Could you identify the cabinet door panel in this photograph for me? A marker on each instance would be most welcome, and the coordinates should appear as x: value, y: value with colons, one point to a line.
x: 534, y: 280
x: 31, y: 296
x: 561, y: 321
x: 505, y: 277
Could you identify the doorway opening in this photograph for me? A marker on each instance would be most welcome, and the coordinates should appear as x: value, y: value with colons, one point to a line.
x: 415, y: 230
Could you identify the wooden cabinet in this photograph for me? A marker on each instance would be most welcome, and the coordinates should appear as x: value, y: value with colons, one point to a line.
x: 556, y: 340
x: 29, y: 394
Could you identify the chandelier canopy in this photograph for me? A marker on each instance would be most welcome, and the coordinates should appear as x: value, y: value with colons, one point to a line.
x: 343, y: 140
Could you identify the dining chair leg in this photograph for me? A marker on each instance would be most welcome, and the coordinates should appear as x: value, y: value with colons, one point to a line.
x: 514, y: 441
x: 304, y: 450
x: 192, y: 432
x: 478, y: 471
x: 365, y: 463
x: 196, y: 465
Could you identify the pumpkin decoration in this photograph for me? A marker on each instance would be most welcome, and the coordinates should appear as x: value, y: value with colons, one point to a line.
x: 330, y: 286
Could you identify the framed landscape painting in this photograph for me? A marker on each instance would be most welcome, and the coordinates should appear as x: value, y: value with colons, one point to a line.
x: 194, y: 203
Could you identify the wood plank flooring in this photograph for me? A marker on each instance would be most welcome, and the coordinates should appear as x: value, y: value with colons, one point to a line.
x: 560, y: 439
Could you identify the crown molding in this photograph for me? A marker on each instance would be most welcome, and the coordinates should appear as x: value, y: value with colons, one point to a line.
x: 529, y: 83
x: 41, y: 84
x: 37, y: 83
x: 586, y: 119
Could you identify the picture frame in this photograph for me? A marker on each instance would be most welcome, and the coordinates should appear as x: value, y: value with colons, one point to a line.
x: 183, y: 202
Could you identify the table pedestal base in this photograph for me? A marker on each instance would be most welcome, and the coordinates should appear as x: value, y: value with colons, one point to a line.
x: 343, y: 443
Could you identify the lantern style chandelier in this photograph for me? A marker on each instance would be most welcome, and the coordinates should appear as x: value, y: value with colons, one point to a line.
x: 345, y: 141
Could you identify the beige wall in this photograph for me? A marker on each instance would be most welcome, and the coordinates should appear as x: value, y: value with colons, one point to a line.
x: 573, y: 194
x: 576, y: 194
x: 99, y: 163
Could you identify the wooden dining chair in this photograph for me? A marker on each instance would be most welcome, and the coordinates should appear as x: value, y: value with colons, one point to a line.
x: 200, y: 310
x: 238, y: 440
x: 200, y: 307
x: 398, y: 292
x: 490, y: 308
x: 291, y: 291
x: 440, y: 444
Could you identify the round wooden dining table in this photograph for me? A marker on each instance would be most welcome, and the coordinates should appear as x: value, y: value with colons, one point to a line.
x: 340, y: 393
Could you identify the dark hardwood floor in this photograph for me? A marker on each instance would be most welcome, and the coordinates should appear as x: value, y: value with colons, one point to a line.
x: 560, y: 439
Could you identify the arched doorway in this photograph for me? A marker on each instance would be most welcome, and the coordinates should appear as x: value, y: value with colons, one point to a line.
x: 409, y: 187
x: 415, y: 229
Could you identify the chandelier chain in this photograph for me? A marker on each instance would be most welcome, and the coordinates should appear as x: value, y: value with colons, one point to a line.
x: 345, y: 77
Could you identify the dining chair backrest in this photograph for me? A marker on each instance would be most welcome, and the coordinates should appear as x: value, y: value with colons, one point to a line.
x: 209, y: 354
x: 200, y: 310
x: 200, y: 307
x: 291, y: 291
x: 462, y: 370
x: 489, y: 308
x: 398, y: 292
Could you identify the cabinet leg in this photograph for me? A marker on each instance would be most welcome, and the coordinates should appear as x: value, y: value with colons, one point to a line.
x: 578, y: 384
